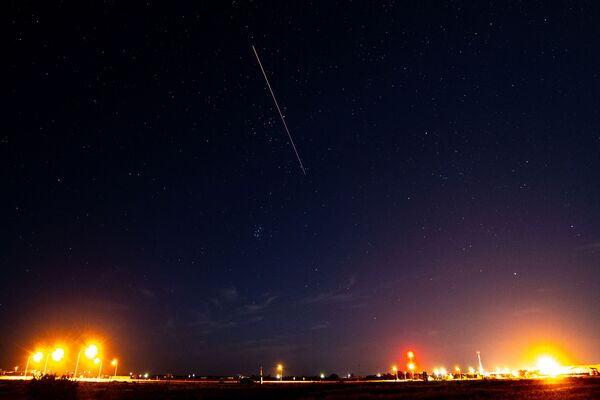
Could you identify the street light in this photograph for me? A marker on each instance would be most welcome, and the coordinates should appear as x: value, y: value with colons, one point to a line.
x: 37, y: 357
x: 90, y: 352
x: 411, y: 364
x: 98, y: 361
x: 411, y: 367
x: 457, y: 369
x: 395, y: 369
x: 280, y: 369
x: 115, y: 362
x: 57, y: 355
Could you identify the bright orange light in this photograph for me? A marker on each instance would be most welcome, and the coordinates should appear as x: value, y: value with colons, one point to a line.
x: 91, y: 351
x: 548, y: 366
x: 411, y: 354
x: 58, y: 354
x: 114, y: 362
x: 457, y: 368
x: 279, y: 367
x: 96, y: 361
x: 411, y: 366
x: 394, y: 368
x: 37, y: 357
x: 553, y: 350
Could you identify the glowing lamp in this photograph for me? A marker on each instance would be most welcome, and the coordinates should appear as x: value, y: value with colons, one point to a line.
x: 58, y: 354
x: 37, y: 357
x: 548, y: 366
x: 91, y: 351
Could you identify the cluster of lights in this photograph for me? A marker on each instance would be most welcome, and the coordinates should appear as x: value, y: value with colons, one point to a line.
x: 546, y: 367
x: 57, y: 355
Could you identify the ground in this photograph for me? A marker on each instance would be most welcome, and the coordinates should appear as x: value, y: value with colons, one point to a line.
x: 571, y: 389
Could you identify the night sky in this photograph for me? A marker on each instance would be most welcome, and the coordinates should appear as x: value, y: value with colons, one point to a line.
x: 151, y: 198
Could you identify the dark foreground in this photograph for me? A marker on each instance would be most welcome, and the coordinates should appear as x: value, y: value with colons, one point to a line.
x: 576, y: 388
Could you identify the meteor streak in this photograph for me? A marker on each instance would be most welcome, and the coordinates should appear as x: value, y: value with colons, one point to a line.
x: 279, y: 110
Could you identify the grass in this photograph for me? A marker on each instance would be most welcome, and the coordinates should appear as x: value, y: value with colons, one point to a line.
x: 569, y: 389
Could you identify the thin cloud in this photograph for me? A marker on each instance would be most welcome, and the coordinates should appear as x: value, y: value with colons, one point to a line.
x: 589, y: 248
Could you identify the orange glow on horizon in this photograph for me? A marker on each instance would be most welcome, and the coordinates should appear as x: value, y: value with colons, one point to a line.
x: 547, y: 350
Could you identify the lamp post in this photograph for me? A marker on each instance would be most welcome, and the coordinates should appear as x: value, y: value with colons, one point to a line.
x: 115, y: 362
x: 98, y: 361
x: 411, y: 364
x: 457, y: 369
x: 411, y: 367
x: 27, y: 366
x: 37, y: 357
x: 395, y: 369
x: 280, y: 369
x: 57, y: 355
x: 90, y: 352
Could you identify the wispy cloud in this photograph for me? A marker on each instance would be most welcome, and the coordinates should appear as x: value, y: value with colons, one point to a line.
x: 255, y: 307
x: 344, y: 294
x: 229, y: 309
x: 208, y: 322
x: 590, y: 247
x: 318, y: 327
x: 331, y: 297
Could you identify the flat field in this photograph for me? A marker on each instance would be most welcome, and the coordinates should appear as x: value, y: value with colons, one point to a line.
x: 571, y: 389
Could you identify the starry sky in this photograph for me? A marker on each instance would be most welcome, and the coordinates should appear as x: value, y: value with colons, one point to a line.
x: 151, y: 198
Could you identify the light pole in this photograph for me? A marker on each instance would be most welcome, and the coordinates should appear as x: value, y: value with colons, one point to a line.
x: 411, y: 367
x: 115, y: 362
x: 90, y: 352
x: 280, y: 369
x: 27, y: 366
x: 411, y: 364
x: 57, y: 355
x: 480, y: 364
x: 37, y: 357
x: 98, y: 361
x: 457, y: 369
x: 395, y: 369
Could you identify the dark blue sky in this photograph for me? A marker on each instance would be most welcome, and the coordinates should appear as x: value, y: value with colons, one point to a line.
x: 150, y: 196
